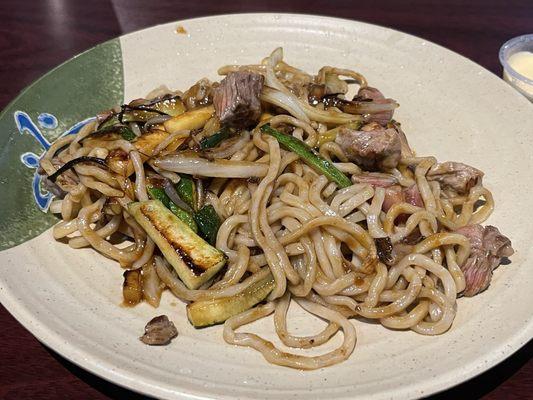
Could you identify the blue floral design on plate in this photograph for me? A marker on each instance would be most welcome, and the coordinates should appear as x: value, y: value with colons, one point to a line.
x: 25, y: 125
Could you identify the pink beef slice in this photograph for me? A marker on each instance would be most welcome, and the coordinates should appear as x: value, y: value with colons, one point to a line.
x: 372, y: 148
x: 487, y: 248
x: 412, y: 196
x: 456, y: 176
x: 237, y: 99
x: 373, y: 94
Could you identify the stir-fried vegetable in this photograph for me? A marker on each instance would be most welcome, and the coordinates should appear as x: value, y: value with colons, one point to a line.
x: 169, y: 104
x: 122, y: 130
x: 171, y: 192
x: 359, y: 107
x: 190, y: 163
x: 132, y: 287
x: 215, y: 139
x: 157, y: 193
x: 152, y: 285
x: 193, y: 119
x: 307, y: 154
x: 210, y: 312
x: 147, y: 143
x: 195, y: 260
x: 70, y: 164
x: 186, y: 189
x: 204, y: 221
x: 385, y: 250
x: 109, y: 121
x: 141, y: 112
x: 118, y: 160
x: 208, y: 223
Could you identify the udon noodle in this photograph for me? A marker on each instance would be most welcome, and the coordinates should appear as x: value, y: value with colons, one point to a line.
x: 393, y: 245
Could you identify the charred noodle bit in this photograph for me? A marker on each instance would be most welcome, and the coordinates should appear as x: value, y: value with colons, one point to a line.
x: 272, y: 187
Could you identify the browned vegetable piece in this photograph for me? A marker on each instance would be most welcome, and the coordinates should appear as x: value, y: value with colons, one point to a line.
x: 199, y: 95
x: 385, y: 250
x: 132, y: 287
x: 118, y: 161
x: 152, y: 285
x: 159, y: 331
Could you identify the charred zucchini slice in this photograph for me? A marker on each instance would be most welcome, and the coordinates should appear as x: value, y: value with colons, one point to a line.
x: 210, y: 312
x: 195, y: 260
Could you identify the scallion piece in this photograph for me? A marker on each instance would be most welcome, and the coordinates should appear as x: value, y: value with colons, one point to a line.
x: 215, y: 139
x: 208, y: 223
x: 157, y: 193
x: 309, y: 156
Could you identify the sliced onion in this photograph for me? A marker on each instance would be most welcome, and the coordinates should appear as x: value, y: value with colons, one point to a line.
x: 229, y: 147
x: 370, y: 107
x: 287, y: 102
x: 277, y: 93
x: 276, y: 57
x: 171, y: 192
x: 152, y: 286
x: 304, y: 111
x: 270, y: 77
x: 135, y: 129
x: 200, y: 194
x: 335, y: 85
x: 186, y: 163
x: 158, y: 119
x: 328, y: 116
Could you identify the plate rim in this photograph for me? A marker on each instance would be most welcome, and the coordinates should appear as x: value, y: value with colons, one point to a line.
x: 30, y: 85
x: 130, y: 380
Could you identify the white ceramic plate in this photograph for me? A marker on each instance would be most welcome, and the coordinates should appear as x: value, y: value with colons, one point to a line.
x: 450, y: 108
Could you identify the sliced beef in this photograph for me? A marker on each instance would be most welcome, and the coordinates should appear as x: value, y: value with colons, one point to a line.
x: 237, y: 99
x: 375, y: 96
x: 396, y: 194
x: 412, y: 196
x: 159, y: 331
x: 393, y: 195
x: 456, y: 176
x: 488, y: 247
x: 372, y: 148
x: 369, y: 93
x: 406, y: 149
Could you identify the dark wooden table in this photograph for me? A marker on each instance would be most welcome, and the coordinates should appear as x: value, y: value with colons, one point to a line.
x: 36, y: 35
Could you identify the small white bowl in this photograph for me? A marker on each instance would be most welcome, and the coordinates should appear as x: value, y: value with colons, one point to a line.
x: 521, y: 83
